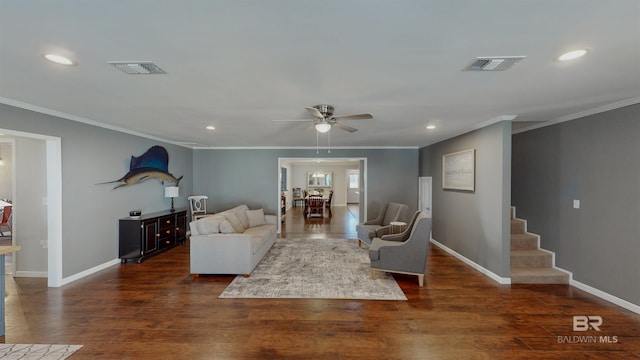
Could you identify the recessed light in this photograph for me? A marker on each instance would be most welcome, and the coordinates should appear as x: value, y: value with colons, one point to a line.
x: 58, y: 59
x: 572, y: 55
x: 431, y: 127
x: 210, y: 127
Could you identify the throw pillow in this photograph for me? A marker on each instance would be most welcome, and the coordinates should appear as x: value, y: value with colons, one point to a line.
x: 232, y: 218
x: 242, y: 216
x: 256, y: 217
x: 226, y: 228
x: 209, y: 225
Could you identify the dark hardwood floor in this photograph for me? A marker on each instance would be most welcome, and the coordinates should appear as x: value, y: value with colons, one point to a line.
x: 156, y: 310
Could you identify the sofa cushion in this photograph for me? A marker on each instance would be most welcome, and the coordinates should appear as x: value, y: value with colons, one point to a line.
x: 256, y: 217
x: 264, y: 231
x: 232, y: 218
x: 226, y: 227
x: 209, y: 225
x: 240, y: 212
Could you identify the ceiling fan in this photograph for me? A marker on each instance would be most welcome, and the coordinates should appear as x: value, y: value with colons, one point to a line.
x: 324, y: 118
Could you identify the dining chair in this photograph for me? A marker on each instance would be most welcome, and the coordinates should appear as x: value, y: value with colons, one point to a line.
x: 327, y: 203
x: 6, y: 219
x: 198, y: 205
x: 315, y: 206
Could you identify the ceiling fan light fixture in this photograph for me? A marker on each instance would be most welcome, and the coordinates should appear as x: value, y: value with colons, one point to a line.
x: 58, y: 59
x: 572, y: 55
x: 323, y: 127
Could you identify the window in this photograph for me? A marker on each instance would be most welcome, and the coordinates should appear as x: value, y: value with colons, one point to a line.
x: 354, y: 181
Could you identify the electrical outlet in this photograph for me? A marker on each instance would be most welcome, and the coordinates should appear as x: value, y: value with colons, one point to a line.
x: 576, y: 204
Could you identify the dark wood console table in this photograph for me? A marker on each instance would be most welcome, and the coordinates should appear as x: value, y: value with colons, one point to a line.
x: 151, y: 234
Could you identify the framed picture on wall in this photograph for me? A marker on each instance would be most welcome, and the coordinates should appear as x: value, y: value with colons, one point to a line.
x: 459, y: 170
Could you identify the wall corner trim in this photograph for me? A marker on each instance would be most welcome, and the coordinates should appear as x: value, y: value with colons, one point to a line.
x: 484, y: 271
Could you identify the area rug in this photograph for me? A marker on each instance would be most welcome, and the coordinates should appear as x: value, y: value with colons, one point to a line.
x: 315, y: 268
x: 37, y: 351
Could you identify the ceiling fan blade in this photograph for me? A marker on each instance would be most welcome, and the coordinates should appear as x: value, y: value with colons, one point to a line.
x: 353, y: 117
x: 295, y: 120
x: 345, y: 127
x: 315, y: 112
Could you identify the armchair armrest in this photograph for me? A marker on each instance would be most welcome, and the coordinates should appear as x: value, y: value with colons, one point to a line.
x: 399, y: 237
x: 376, y: 246
x: 383, y: 231
x: 377, y: 220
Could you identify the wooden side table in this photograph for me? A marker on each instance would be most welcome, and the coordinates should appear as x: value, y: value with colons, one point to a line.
x: 397, y: 226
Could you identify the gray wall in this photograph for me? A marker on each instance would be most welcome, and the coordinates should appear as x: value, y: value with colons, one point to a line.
x: 30, y: 211
x: 475, y: 224
x: 91, y: 155
x: 231, y: 177
x: 594, y: 160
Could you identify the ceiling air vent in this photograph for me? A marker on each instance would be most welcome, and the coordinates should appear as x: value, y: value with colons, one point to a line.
x: 138, y: 67
x: 493, y: 63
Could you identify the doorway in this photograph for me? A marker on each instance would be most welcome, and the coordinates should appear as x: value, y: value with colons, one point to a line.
x: 7, y: 194
x: 425, y: 194
x: 297, y: 177
x: 53, y: 201
x: 353, y: 186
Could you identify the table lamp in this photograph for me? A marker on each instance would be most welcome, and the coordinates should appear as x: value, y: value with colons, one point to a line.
x: 171, y: 192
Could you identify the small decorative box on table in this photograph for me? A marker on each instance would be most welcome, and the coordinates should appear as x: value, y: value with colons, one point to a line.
x: 150, y: 234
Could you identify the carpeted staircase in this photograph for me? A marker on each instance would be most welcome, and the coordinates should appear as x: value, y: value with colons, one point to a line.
x: 529, y: 263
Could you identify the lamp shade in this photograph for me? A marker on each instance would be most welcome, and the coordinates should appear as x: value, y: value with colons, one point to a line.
x: 171, y: 191
x: 323, y: 127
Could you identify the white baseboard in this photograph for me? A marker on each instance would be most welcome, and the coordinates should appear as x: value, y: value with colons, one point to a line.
x: 31, y: 274
x: 606, y: 296
x: 88, y: 272
x: 484, y: 271
x: 591, y: 290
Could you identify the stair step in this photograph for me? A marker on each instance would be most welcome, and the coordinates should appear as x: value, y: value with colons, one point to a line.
x: 539, y: 276
x: 531, y: 259
x: 517, y: 226
x: 524, y: 242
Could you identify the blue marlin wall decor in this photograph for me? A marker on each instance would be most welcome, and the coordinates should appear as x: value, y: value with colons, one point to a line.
x: 153, y: 164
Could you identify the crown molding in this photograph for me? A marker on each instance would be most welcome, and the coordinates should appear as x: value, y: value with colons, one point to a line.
x: 581, y: 114
x: 62, y: 115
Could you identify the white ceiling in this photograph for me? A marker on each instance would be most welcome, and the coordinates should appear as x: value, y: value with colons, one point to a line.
x: 239, y: 65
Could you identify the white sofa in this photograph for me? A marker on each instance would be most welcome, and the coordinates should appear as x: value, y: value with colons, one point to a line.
x: 232, y: 241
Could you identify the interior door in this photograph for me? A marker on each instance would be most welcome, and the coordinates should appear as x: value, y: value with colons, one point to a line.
x: 353, y: 186
x: 424, y: 194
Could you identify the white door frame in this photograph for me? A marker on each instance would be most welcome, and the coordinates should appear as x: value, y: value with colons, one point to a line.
x: 54, y: 203
x: 363, y: 173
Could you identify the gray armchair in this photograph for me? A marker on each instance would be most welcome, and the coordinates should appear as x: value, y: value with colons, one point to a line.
x: 380, y: 225
x: 403, y: 236
x: 403, y: 257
